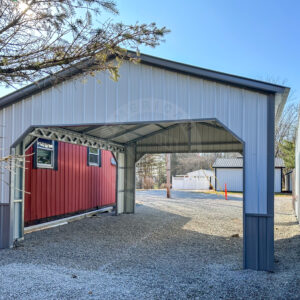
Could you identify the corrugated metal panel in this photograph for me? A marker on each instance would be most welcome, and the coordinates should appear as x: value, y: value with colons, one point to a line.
x: 190, y: 137
x: 278, y: 180
x: 179, y: 97
x: 233, y: 178
x: 4, y: 224
x: 258, y: 229
x: 75, y: 186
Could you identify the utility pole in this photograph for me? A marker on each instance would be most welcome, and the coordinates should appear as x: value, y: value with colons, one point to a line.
x: 168, y: 168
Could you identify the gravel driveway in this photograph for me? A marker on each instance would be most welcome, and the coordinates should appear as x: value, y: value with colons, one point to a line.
x: 179, y: 248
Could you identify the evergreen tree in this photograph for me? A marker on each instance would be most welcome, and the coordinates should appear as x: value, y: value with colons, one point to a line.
x: 287, y: 153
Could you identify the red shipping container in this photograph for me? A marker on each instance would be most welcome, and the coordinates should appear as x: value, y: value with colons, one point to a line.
x: 73, y: 187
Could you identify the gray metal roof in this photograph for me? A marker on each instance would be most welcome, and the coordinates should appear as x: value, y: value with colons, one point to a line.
x: 158, y: 137
x: 238, y: 163
x: 84, y: 66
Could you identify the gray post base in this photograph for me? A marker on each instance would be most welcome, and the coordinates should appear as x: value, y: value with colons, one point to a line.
x: 4, y: 226
x: 259, y: 242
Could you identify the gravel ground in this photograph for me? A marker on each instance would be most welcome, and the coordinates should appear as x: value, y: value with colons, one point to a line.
x: 179, y: 248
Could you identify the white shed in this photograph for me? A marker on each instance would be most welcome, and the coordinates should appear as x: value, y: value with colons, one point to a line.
x: 196, y: 180
x: 229, y: 171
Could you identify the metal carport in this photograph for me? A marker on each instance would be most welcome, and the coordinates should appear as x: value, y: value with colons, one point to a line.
x: 157, y: 106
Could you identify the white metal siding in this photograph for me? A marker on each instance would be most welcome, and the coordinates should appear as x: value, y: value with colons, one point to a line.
x: 277, y: 183
x: 146, y: 93
x: 233, y: 178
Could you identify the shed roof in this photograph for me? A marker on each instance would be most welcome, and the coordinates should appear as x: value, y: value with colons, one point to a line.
x: 201, y: 172
x: 238, y: 163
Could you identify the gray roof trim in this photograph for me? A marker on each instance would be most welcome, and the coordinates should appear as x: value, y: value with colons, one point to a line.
x: 83, y: 66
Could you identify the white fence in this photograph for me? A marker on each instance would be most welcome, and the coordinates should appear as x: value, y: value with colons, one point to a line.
x: 197, y: 180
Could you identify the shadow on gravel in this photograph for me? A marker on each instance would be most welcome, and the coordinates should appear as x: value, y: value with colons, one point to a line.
x: 126, y: 241
x: 287, y: 255
x: 149, y: 237
x: 148, y: 255
x: 287, y: 223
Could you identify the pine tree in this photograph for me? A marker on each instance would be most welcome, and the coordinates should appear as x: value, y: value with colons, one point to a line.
x: 287, y: 150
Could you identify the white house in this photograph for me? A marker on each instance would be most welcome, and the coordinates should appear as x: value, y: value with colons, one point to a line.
x: 196, y: 180
x: 229, y: 171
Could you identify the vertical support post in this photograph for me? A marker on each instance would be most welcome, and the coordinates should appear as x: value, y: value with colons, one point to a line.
x: 120, y: 183
x: 129, y: 179
x: 115, y: 155
x: 4, y: 225
x: 190, y: 136
x: 168, y: 169
x: 269, y: 255
x: 259, y: 228
x: 17, y: 193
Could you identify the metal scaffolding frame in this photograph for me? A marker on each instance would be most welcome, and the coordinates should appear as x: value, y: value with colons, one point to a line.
x: 68, y: 136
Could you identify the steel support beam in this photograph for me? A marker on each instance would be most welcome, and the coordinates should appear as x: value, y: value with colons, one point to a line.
x: 129, y: 179
x: 189, y: 144
x: 68, y: 136
x: 259, y: 228
x: 17, y: 194
x: 120, y: 157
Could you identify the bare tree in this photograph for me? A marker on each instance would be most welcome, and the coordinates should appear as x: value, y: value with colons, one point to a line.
x: 40, y: 37
x: 286, y: 127
x: 182, y: 163
x: 151, y: 170
x: 11, y: 163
